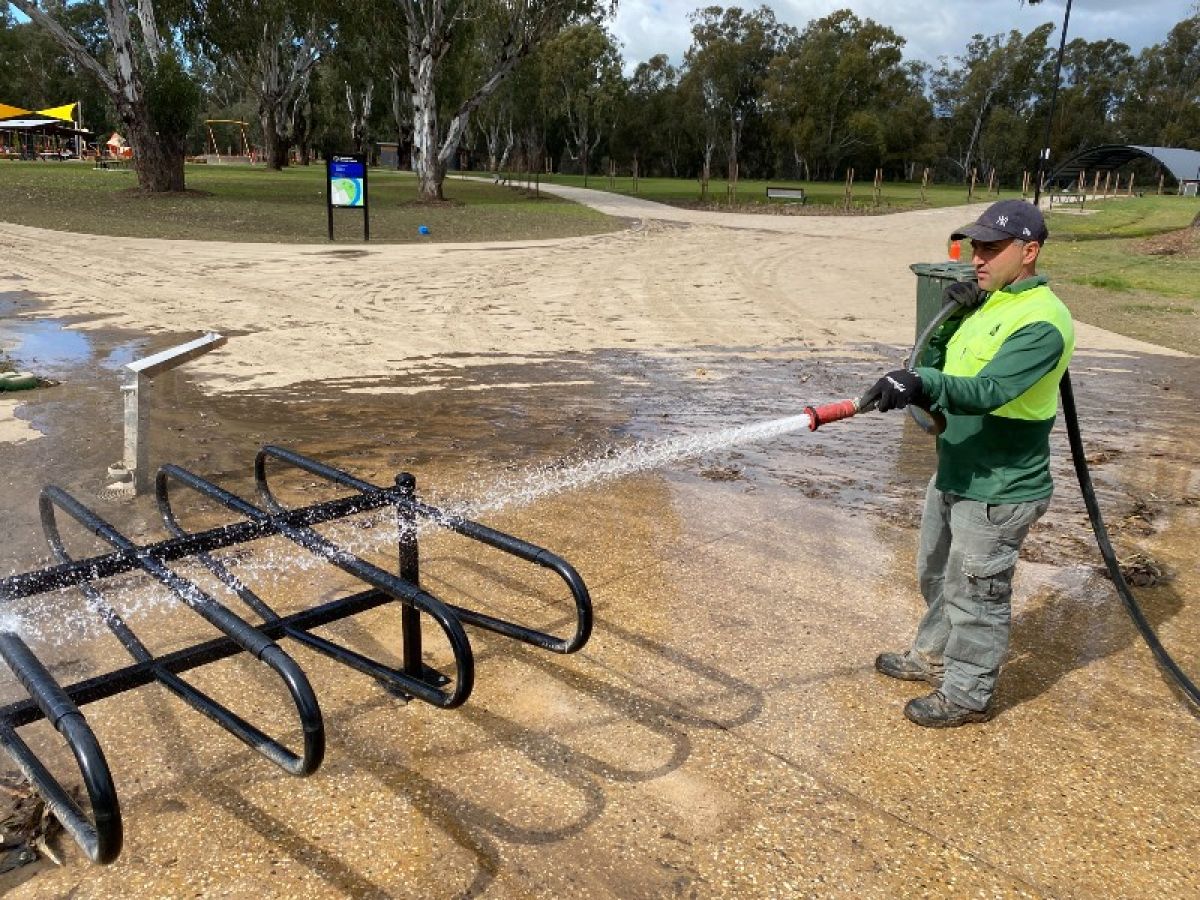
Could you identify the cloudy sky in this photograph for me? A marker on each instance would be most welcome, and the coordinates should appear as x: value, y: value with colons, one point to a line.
x: 932, y: 28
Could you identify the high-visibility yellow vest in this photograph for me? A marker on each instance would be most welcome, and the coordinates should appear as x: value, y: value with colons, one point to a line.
x: 978, y: 340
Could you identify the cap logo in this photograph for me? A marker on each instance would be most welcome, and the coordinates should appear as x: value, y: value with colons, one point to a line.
x: 1027, y: 232
x: 1001, y: 221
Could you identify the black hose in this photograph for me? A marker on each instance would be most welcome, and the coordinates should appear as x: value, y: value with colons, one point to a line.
x: 1079, y: 458
x: 1132, y: 607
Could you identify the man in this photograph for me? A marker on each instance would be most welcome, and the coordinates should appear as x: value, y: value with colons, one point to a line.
x: 993, y: 372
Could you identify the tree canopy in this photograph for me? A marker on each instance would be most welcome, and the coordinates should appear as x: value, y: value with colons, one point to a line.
x: 489, y: 83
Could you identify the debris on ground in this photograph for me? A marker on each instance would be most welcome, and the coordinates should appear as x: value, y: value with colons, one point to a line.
x: 722, y: 473
x: 1183, y: 243
x: 1139, y: 570
x: 26, y: 825
x: 1139, y: 520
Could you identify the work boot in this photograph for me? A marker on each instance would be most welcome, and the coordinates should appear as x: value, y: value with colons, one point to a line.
x: 938, y: 711
x: 907, y: 666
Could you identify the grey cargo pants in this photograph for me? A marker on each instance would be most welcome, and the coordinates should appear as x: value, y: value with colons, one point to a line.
x: 965, y: 564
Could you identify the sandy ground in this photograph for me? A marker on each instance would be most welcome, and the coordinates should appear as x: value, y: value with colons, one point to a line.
x: 677, y: 278
x: 723, y: 734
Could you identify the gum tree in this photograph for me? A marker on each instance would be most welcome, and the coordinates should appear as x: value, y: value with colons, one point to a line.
x: 842, y: 94
x: 1001, y: 72
x: 272, y: 47
x: 506, y: 31
x: 729, y: 58
x: 141, y: 73
x: 582, y: 83
x: 1163, y: 103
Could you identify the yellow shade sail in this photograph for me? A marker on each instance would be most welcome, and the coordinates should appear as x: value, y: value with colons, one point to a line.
x: 64, y: 113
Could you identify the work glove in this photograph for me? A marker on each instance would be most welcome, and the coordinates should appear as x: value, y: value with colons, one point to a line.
x: 895, y: 390
x: 964, y: 294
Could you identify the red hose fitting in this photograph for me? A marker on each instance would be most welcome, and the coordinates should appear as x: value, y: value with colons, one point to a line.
x: 830, y: 412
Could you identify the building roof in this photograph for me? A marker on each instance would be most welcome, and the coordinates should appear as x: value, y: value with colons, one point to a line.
x: 1183, y: 165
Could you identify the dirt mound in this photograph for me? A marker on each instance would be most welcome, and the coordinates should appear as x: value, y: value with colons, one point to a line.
x: 1185, y: 243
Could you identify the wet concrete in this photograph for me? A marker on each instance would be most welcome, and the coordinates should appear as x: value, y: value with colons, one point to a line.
x: 723, y: 734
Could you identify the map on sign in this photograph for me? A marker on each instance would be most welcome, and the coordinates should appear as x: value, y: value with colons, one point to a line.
x: 346, y: 191
x: 347, y: 182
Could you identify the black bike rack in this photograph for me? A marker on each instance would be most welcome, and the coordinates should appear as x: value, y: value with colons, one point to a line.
x: 100, y: 834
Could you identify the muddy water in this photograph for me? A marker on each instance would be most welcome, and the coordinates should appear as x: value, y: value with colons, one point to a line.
x: 465, y: 429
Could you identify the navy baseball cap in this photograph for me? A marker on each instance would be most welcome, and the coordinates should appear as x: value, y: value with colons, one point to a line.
x: 1006, y: 219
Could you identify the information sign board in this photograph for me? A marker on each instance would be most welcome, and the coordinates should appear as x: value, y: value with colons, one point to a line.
x: 346, y: 188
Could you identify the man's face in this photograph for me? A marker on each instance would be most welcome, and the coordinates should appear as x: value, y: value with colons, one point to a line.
x: 999, y: 263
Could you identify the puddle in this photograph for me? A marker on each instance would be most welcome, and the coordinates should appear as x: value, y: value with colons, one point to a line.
x: 44, y: 344
x: 50, y: 346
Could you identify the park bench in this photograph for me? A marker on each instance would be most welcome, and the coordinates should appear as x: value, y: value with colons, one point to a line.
x: 1067, y: 197
x: 116, y: 164
x: 785, y: 193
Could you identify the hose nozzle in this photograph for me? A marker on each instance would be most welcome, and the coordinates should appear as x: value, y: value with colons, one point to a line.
x: 831, y: 412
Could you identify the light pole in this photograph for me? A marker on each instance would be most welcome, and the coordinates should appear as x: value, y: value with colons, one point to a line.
x: 1044, y: 150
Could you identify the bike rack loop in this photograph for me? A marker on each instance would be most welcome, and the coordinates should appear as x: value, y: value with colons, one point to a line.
x: 238, y: 630
x: 405, y: 498
x: 101, y: 835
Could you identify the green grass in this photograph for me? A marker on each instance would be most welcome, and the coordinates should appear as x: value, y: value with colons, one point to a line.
x: 239, y: 203
x: 822, y: 197
x: 1108, y: 282
x: 1101, y: 266
x: 1104, y: 249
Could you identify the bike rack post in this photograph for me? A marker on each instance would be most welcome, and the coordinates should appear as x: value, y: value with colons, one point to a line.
x: 506, y: 543
x: 100, y: 837
x: 410, y: 571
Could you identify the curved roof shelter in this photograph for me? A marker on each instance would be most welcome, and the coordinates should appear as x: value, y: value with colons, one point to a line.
x: 1182, y: 165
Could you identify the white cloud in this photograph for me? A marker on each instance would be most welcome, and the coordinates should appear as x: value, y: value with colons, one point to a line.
x: 932, y: 28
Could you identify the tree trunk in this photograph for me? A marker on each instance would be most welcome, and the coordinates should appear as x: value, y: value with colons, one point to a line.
x: 275, y: 143
x: 302, y: 126
x: 430, y: 169
x: 360, y: 112
x: 734, y: 139
x: 975, y: 131
x: 158, y: 161
x: 401, y: 102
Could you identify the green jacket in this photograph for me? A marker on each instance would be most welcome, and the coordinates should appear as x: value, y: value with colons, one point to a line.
x: 994, y: 374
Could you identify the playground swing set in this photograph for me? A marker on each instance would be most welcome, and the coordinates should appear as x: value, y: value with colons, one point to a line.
x: 214, y: 156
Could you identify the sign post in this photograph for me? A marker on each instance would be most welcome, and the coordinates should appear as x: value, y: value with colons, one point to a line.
x: 346, y: 186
